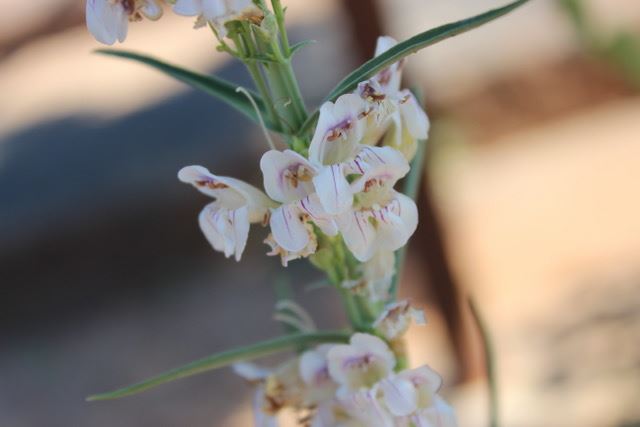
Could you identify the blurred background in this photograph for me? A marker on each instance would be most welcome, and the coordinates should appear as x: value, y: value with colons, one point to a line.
x: 531, y: 206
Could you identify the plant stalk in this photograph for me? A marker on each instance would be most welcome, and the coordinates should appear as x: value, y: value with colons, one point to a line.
x: 226, y: 358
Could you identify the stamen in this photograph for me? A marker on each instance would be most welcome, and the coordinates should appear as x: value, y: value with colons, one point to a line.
x: 359, y: 362
x: 209, y: 183
x: 338, y: 130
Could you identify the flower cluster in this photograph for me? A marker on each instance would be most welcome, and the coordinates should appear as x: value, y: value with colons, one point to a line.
x: 108, y: 20
x: 330, y: 197
x: 361, y: 147
x: 349, y: 385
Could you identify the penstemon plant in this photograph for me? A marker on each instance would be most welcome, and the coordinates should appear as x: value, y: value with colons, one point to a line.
x: 328, y: 195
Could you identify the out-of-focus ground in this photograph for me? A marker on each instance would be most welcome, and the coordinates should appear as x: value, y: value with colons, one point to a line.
x: 105, y: 278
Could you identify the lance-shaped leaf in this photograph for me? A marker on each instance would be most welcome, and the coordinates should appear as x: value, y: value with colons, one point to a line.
x: 226, y: 358
x: 405, y: 48
x: 214, y: 86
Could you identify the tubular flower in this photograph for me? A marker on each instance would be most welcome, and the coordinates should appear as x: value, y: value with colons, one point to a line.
x: 411, y: 397
x: 339, y: 130
x: 288, y: 179
x: 369, y: 168
x: 219, y: 12
x: 395, y: 319
x: 335, y: 141
x: 360, y: 364
x: 391, y: 111
x: 381, y: 219
x: 386, y: 226
x: 108, y: 20
x: 225, y: 222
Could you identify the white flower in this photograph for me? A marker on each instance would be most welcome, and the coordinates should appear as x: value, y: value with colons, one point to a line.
x: 371, y: 216
x: 288, y: 179
x: 338, y: 132
x: 225, y: 222
x: 360, y: 364
x: 218, y: 12
x: 426, y: 382
x: 370, y: 168
x: 376, y: 277
x: 381, y: 219
x: 377, y: 170
x: 314, y: 371
x: 411, y: 397
x: 386, y: 226
x: 108, y: 20
x: 395, y: 319
x: 391, y: 110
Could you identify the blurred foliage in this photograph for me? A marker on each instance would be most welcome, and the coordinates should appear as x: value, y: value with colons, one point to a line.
x: 622, y: 49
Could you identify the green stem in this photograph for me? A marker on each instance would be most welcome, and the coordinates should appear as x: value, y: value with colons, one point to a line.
x: 286, y: 85
x: 284, y: 39
x: 260, y: 83
x: 294, y: 91
x: 489, y: 361
x: 351, y: 308
x: 245, y: 44
x: 226, y: 358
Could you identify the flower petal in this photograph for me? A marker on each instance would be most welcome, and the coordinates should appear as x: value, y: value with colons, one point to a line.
x: 311, y: 206
x: 226, y: 230
x: 188, y: 7
x: 212, y: 9
x: 384, y: 43
x: 358, y: 233
x: 288, y: 229
x: 391, y: 76
x: 413, y: 116
x: 340, y: 128
x: 333, y: 189
x: 382, y: 164
x: 424, y: 378
x: 362, y: 363
x: 400, y: 395
x: 151, y: 10
x: 287, y: 175
x: 396, y: 222
x: 107, y: 22
x: 209, y: 226
x: 230, y: 192
x: 396, y: 318
x: 239, y: 221
x: 250, y: 371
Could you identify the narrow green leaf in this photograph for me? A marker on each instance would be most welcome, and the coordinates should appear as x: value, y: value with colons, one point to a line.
x: 226, y: 358
x: 405, y: 48
x: 300, y: 45
x: 214, y: 86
